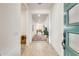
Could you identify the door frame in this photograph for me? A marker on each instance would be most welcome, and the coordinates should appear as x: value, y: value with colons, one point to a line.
x: 48, y: 40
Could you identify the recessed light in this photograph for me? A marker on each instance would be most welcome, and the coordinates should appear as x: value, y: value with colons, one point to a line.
x: 38, y: 15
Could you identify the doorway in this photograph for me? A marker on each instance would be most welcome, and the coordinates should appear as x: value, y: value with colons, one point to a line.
x: 40, y: 27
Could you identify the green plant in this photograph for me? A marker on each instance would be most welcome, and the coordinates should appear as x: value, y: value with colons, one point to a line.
x: 46, y: 31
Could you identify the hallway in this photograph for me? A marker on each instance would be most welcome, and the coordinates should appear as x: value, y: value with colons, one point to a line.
x: 39, y: 48
x: 35, y: 28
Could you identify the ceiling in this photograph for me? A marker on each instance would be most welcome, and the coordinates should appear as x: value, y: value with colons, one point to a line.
x: 40, y: 5
x: 39, y: 17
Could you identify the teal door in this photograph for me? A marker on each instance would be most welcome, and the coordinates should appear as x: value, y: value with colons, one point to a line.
x: 71, y: 29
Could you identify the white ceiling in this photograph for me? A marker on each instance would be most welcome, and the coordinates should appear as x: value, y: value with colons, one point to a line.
x: 40, y: 5
x: 40, y: 18
x: 41, y: 8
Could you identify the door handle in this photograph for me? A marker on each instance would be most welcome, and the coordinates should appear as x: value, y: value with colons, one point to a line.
x: 63, y: 44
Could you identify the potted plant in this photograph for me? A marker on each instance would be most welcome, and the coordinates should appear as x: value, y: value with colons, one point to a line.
x: 46, y: 32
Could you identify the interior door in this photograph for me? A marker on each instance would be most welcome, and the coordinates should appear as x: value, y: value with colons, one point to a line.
x: 71, y: 29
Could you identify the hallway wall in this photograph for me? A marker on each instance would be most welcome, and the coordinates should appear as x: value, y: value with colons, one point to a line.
x: 26, y: 22
x: 9, y: 29
x: 57, y: 25
x: 28, y: 25
x: 23, y: 19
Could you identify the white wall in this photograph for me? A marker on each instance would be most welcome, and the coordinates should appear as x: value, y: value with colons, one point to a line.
x: 57, y: 25
x: 28, y: 25
x: 9, y: 29
x: 23, y: 19
x: 46, y: 22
